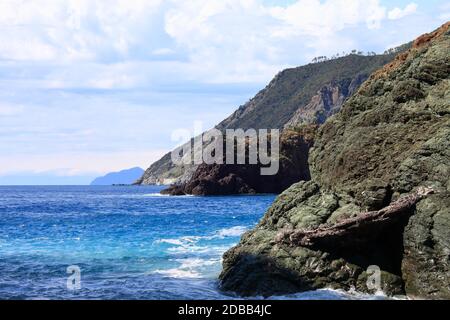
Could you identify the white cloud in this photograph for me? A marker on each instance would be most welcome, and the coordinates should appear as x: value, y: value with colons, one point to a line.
x: 317, y: 18
x: 209, y: 40
x: 73, y: 29
x: 398, y: 13
x: 10, y: 110
x: 163, y: 51
x: 248, y: 41
x: 445, y: 16
x: 445, y: 12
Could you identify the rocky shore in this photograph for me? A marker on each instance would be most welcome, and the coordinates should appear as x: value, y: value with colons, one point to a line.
x: 379, y: 193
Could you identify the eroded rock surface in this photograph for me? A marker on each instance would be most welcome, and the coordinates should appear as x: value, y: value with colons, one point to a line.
x: 388, y: 141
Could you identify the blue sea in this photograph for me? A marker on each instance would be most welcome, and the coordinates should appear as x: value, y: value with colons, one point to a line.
x: 127, y: 242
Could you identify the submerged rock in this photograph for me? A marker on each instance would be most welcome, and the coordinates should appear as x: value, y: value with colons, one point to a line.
x: 388, y: 141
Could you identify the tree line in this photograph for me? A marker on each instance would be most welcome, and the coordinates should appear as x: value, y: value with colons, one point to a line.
x: 359, y: 53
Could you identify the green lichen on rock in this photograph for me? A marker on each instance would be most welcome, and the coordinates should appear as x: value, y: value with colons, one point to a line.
x: 425, y: 264
x: 261, y: 265
x: 389, y: 139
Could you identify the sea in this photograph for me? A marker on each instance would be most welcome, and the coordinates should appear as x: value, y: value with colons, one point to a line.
x: 122, y: 242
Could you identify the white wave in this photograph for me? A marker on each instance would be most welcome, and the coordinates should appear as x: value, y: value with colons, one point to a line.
x: 334, y: 294
x: 216, y: 250
x: 185, y: 240
x: 177, y: 273
x: 155, y: 195
x: 232, y: 232
x: 190, y: 240
x: 152, y: 195
x: 191, y: 263
x: 190, y: 244
x: 189, y: 268
x: 170, y: 241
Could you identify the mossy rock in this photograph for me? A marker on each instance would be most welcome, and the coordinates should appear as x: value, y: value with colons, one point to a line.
x: 388, y: 140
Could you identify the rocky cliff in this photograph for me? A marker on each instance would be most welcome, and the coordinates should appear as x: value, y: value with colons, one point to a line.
x: 296, y: 140
x: 307, y: 94
x: 379, y: 194
x: 328, y: 101
x: 223, y: 179
x: 165, y: 172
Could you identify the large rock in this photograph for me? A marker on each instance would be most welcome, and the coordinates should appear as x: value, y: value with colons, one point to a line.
x: 388, y: 141
x: 260, y: 265
x: 223, y: 179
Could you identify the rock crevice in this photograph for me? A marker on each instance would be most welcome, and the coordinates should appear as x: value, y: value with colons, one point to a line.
x: 350, y: 231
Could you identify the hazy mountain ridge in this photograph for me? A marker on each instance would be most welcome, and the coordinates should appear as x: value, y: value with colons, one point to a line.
x: 127, y: 176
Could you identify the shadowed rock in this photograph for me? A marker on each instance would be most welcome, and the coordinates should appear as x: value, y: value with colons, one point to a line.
x: 351, y: 231
x: 222, y: 179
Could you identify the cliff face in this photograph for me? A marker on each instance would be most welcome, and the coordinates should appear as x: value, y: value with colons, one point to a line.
x: 365, y: 204
x: 307, y: 94
x: 223, y: 179
x: 165, y: 172
x: 294, y: 89
x: 328, y: 101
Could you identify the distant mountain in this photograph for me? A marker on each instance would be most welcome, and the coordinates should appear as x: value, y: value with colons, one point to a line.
x: 127, y: 176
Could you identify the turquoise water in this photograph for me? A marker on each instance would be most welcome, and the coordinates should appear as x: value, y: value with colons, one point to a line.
x: 128, y: 242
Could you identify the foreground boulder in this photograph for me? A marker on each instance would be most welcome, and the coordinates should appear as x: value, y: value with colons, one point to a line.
x: 389, y: 143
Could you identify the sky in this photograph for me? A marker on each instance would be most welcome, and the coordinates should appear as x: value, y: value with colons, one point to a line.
x: 88, y: 87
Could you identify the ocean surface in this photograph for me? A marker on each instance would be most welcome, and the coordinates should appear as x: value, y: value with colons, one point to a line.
x: 126, y: 242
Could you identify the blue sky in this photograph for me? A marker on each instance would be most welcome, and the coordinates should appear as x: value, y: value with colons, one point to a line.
x: 88, y: 87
